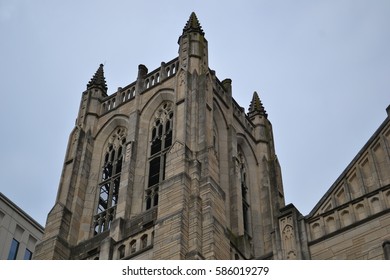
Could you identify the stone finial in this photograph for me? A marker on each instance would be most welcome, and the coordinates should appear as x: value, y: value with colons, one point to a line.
x: 193, y: 25
x: 98, y: 79
x: 256, y: 106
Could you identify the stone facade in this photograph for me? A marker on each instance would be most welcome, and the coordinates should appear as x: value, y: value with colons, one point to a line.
x: 171, y: 167
x: 352, y: 220
x: 167, y: 167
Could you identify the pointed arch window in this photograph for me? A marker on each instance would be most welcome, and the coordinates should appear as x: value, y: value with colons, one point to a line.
x: 161, y: 141
x: 244, y: 193
x: 110, y: 180
x: 215, y: 140
x: 144, y: 241
x: 133, y: 246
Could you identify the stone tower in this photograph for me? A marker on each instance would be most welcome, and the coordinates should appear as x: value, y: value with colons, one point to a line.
x: 167, y: 167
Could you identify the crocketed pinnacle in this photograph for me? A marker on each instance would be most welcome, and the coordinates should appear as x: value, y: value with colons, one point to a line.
x: 193, y: 25
x: 98, y: 79
x: 256, y: 107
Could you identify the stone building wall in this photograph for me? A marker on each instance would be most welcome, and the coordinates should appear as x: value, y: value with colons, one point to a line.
x: 351, y: 221
x: 17, y: 230
x: 218, y: 185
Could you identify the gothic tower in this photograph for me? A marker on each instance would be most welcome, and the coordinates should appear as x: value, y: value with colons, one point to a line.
x: 167, y: 167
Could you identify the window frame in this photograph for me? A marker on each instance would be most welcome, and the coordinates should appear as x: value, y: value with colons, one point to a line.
x: 245, y: 193
x: 13, y: 250
x: 28, y: 254
x: 160, y: 142
x: 110, y: 178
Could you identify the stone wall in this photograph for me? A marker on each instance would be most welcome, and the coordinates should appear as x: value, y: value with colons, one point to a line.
x: 363, y: 241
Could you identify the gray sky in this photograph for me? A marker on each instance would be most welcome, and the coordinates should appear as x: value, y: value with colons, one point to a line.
x: 321, y: 69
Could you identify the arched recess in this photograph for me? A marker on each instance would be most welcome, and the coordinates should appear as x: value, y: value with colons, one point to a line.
x: 247, y: 147
x: 91, y: 199
x: 253, y: 195
x: 330, y: 223
x: 316, y: 231
x: 152, y: 104
x: 110, y: 175
x: 160, y: 142
x: 258, y: 193
x: 245, y: 190
x: 345, y: 218
x: 147, y: 115
x: 72, y: 142
x: 360, y: 211
x: 218, y: 111
x: 220, y: 138
x: 107, y: 128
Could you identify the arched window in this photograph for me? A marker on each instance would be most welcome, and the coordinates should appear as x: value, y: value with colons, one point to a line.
x: 244, y: 192
x: 161, y: 140
x: 121, y: 251
x: 110, y: 180
x: 144, y: 241
x: 133, y: 246
x: 215, y: 139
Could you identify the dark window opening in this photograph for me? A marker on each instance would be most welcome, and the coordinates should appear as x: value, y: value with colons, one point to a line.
x: 144, y: 241
x: 133, y: 246
x: 27, y: 255
x: 154, y: 171
x: 155, y: 199
x: 161, y: 141
x: 245, y: 209
x: 121, y: 251
x: 168, y: 139
x: 244, y: 196
x: 110, y: 181
x: 156, y: 146
x: 13, y: 251
x: 148, y: 201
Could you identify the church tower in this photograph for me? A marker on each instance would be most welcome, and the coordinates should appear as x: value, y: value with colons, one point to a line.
x: 167, y: 167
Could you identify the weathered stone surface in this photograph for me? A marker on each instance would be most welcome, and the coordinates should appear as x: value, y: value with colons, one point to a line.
x: 198, y: 178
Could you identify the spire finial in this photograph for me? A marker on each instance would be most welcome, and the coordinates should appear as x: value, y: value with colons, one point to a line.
x: 193, y: 25
x: 98, y: 79
x: 256, y: 106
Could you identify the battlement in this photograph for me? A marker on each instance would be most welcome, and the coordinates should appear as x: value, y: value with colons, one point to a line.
x: 126, y: 94
x: 161, y: 74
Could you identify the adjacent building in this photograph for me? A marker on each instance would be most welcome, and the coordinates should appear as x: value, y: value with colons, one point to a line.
x: 170, y: 166
x: 352, y: 219
x: 19, y: 233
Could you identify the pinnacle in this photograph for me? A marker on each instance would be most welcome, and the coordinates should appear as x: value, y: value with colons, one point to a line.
x: 193, y: 25
x: 98, y: 79
x: 256, y: 106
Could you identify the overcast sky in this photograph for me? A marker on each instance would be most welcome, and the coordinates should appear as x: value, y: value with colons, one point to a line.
x: 321, y: 68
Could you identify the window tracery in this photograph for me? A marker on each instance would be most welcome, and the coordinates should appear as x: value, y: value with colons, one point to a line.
x: 110, y: 180
x: 161, y: 141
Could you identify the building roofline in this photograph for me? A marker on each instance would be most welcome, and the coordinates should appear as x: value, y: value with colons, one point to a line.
x: 21, y: 212
x: 350, y: 165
